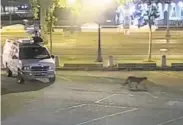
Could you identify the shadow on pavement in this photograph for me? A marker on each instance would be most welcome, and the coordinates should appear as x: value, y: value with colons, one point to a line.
x: 145, y: 86
x: 9, y: 85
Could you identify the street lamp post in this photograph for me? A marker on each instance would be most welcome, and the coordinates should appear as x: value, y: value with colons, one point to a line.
x: 10, y: 14
x: 168, y: 25
x: 99, y: 54
x: 10, y: 18
x: 11, y: 10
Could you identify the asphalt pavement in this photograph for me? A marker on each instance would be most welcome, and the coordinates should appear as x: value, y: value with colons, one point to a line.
x: 94, y: 98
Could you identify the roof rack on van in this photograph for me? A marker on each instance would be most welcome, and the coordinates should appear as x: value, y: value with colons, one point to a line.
x: 24, y: 41
x: 34, y: 40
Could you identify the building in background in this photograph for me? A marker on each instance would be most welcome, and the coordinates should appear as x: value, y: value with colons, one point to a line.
x: 175, y: 12
x: 15, y: 11
x: 107, y: 13
x: 15, y: 6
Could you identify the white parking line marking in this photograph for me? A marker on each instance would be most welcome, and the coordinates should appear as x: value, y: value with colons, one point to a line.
x: 88, y: 74
x: 109, y: 106
x: 75, y: 106
x: 105, y: 98
x: 161, y: 92
x: 128, y: 93
x: 151, y: 95
x: 151, y: 80
x: 108, y: 79
x: 169, y: 74
x: 169, y: 121
x: 120, y: 113
x: 69, y: 80
x: 30, y: 101
x: 103, y: 78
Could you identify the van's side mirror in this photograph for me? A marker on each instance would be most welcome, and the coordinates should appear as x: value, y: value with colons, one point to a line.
x: 14, y: 57
x: 52, y: 56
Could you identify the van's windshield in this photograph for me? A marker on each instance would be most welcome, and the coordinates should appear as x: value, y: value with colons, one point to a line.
x: 33, y: 53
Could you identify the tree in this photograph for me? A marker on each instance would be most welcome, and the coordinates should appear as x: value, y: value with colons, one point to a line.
x: 35, y: 8
x: 151, y: 14
x: 148, y: 17
x: 50, y: 20
x: 145, y: 17
x: 139, y: 15
x: 39, y: 9
x: 47, y: 8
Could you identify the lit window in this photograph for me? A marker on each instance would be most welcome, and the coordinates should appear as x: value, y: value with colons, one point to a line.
x: 173, y: 10
x: 160, y: 9
x: 173, y: 4
x: 166, y: 7
x: 181, y: 12
x: 6, y: 8
x: 16, y: 8
x: 180, y: 4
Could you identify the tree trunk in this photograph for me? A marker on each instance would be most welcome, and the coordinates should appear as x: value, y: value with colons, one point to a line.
x: 150, y: 43
x: 43, y: 11
x: 51, y: 26
x: 42, y: 19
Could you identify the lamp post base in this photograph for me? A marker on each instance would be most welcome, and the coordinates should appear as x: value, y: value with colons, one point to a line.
x: 99, y: 59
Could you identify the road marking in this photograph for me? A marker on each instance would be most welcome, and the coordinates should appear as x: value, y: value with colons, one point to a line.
x: 120, y: 113
x: 178, y: 102
x: 151, y: 95
x: 110, y: 106
x: 75, y: 106
x: 69, y: 80
x: 108, y: 79
x: 105, y: 98
x: 169, y: 74
x: 161, y: 92
x: 88, y: 74
x: 171, y: 103
x: 151, y: 80
x: 128, y: 93
x: 169, y: 121
x: 30, y: 101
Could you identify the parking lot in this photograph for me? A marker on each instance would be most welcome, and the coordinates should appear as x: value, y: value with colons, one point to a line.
x: 94, y: 98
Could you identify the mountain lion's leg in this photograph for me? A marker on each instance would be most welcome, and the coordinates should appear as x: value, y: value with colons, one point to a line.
x: 137, y: 84
x: 126, y: 82
x: 129, y: 84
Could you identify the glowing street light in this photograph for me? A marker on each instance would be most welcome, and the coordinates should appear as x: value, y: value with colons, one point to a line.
x: 71, y: 2
x: 105, y: 1
x: 97, y: 4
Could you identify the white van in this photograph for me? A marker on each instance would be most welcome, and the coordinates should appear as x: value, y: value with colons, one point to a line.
x: 28, y: 60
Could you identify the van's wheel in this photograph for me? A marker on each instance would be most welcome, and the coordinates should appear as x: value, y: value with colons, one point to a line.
x: 8, y: 72
x: 52, y: 80
x: 20, y: 79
